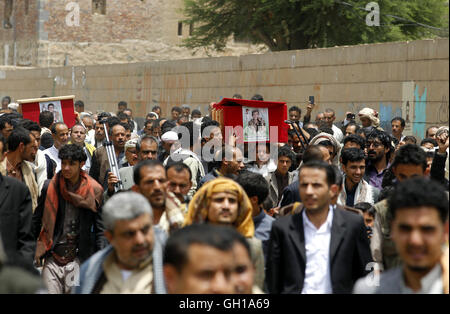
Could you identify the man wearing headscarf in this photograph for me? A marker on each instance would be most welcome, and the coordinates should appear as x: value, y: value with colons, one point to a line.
x: 369, y: 119
x: 224, y: 202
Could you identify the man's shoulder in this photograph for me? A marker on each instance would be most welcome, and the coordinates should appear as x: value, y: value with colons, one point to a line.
x: 389, y: 282
x: 285, y: 221
x: 13, y: 183
x: 349, y: 216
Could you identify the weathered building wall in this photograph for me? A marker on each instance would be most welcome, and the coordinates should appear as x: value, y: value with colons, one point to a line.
x: 385, y: 77
x: 49, y: 33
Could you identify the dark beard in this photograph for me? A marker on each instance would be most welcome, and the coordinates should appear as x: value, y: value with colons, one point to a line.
x: 419, y: 269
x: 376, y: 158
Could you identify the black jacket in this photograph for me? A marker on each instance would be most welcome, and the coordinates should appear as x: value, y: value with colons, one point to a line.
x: 437, y: 172
x: 15, y: 221
x: 290, y: 194
x: 286, y: 259
x: 91, y: 238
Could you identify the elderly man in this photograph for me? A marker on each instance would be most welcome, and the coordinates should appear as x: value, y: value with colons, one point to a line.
x: 132, y: 263
x: 224, y: 202
x: 419, y: 211
x: 131, y: 155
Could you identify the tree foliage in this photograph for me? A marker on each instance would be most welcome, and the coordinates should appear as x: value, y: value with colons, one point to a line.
x: 300, y: 24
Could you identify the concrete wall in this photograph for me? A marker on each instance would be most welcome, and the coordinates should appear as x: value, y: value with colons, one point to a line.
x: 388, y: 77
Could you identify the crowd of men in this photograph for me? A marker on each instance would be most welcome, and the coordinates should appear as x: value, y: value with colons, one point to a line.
x: 342, y: 207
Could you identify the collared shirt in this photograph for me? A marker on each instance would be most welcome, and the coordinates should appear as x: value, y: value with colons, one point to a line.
x: 374, y: 177
x: 263, y: 225
x: 430, y: 284
x: 317, y: 246
x: 52, y: 152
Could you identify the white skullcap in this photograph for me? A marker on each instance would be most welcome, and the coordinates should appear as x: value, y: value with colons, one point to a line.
x: 169, y: 136
x: 13, y: 106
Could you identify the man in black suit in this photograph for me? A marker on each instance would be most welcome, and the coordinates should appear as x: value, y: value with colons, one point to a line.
x: 322, y: 249
x: 15, y: 218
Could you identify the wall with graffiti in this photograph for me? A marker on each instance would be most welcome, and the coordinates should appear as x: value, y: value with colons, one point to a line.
x: 407, y: 79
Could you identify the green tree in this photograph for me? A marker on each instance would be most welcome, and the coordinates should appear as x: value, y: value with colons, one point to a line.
x: 300, y: 24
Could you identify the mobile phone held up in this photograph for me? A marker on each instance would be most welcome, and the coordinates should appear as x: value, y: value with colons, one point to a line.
x: 311, y: 100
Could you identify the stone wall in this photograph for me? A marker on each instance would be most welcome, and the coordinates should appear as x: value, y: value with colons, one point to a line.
x: 388, y: 77
x: 50, y: 33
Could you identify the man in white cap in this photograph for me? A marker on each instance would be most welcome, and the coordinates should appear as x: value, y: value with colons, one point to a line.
x: 369, y: 119
x: 167, y: 140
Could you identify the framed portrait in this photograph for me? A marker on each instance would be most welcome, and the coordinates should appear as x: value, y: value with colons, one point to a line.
x: 54, y: 107
x: 255, y: 124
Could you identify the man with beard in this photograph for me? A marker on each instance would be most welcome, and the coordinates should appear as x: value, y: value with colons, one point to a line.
x: 419, y: 210
x: 150, y: 180
x: 224, y: 202
x: 179, y: 176
x: 410, y: 161
x: 379, y: 149
x: 321, y: 249
x: 15, y: 218
x: 99, y: 134
x: 132, y: 263
x: 22, y: 147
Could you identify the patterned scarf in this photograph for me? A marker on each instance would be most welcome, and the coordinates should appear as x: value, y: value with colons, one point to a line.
x: 88, y: 195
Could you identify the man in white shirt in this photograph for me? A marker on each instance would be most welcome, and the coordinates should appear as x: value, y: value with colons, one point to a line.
x: 322, y: 248
x: 60, y: 134
x: 329, y: 117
